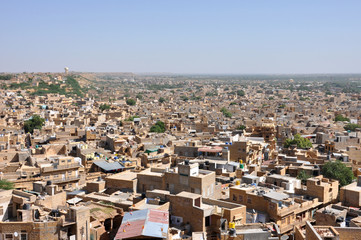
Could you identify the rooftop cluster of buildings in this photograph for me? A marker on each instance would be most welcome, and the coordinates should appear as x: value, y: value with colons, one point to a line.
x: 188, y: 158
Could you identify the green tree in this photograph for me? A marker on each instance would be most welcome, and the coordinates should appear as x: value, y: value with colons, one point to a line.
x: 104, y: 106
x: 35, y: 122
x: 241, y: 127
x: 161, y: 100
x: 131, y: 102
x: 184, y: 98
x: 338, y: 171
x: 226, y: 113
x: 5, y: 77
x: 299, y: 141
x: 340, y: 118
x: 351, y: 127
x: 303, y: 176
x: 131, y: 119
x: 241, y: 93
x: 139, y: 96
x: 6, y: 185
x: 159, y: 127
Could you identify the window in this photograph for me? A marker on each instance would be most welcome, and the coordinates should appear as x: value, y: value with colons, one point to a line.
x: 23, y: 235
x: 69, y: 160
x: 1, y: 210
x: 241, y: 198
x: 8, y: 236
x: 208, y: 221
x: 234, y: 197
x: 249, y: 200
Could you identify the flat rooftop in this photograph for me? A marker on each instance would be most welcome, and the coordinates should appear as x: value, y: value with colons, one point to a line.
x: 126, y: 175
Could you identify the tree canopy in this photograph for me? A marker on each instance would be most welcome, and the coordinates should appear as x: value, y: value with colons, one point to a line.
x: 303, y: 176
x: 104, y: 107
x: 241, y: 127
x: 351, y: 127
x: 338, y: 171
x: 161, y: 100
x: 226, y: 113
x: 159, y: 127
x: 340, y: 118
x: 184, y: 98
x: 131, y: 102
x: 241, y: 93
x: 35, y: 122
x: 131, y: 119
x: 299, y: 141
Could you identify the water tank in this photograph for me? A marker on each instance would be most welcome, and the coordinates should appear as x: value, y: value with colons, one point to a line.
x: 48, y: 183
x: 186, y: 162
x: 231, y: 225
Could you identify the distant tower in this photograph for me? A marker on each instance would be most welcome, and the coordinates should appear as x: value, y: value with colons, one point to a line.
x: 66, y: 70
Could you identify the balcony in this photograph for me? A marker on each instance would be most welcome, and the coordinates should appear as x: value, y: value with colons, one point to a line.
x: 60, y: 167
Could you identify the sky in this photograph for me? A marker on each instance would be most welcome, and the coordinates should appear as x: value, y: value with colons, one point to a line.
x: 185, y: 36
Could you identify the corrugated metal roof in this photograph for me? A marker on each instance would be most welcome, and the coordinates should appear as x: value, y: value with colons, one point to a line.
x: 106, y: 166
x: 148, y: 222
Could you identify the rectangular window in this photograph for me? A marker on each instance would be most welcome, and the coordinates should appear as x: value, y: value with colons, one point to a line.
x: 249, y: 200
x: 23, y: 235
x: 1, y: 210
x: 8, y: 236
x: 234, y: 197
x: 208, y: 221
x: 241, y: 198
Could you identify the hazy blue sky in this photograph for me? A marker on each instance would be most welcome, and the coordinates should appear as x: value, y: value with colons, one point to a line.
x: 183, y: 36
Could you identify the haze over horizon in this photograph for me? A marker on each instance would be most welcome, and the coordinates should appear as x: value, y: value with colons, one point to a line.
x: 203, y: 37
